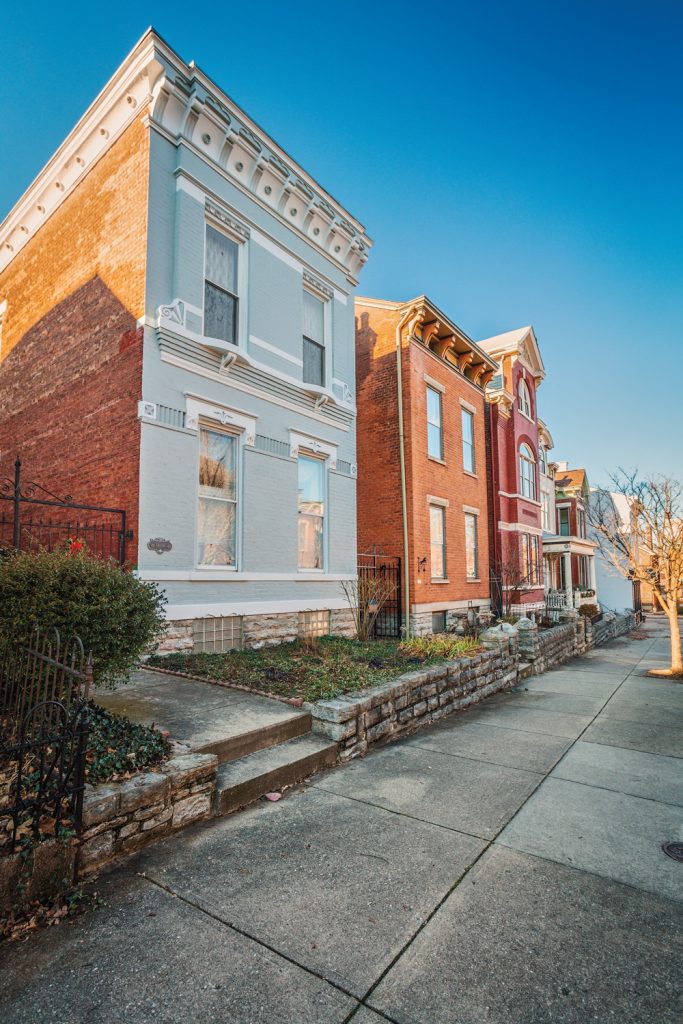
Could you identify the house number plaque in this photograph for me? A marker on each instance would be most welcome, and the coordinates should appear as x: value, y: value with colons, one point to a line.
x: 159, y: 544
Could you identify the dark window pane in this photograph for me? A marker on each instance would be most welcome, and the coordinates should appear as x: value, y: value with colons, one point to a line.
x: 314, y: 363
x: 220, y: 314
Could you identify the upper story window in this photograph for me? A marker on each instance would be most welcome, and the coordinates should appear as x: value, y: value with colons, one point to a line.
x: 217, y: 509
x: 523, y: 398
x: 545, y: 512
x: 563, y: 527
x: 467, y: 420
x: 527, y: 472
x: 311, y: 512
x: 581, y: 522
x: 220, y: 286
x: 314, y: 340
x: 434, y: 424
x: 543, y: 459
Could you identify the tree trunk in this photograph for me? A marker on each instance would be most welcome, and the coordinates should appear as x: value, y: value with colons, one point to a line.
x: 675, y: 630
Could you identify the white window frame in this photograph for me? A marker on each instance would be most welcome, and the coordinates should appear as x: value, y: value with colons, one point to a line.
x: 524, y: 398
x: 439, y: 395
x: 464, y: 411
x: 545, y: 512
x: 474, y: 516
x: 219, y: 428
x: 530, y: 480
x: 318, y: 293
x: 324, y: 460
x: 441, y: 508
x: 242, y: 331
x: 567, y: 509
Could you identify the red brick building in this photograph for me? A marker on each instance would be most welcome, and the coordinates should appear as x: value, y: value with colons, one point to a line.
x: 515, y: 526
x: 422, y: 471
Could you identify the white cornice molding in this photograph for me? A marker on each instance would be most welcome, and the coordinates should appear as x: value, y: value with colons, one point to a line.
x: 189, y: 109
x: 125, y: 97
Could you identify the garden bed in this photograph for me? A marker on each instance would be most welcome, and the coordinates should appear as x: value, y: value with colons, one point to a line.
x: 319, y: 669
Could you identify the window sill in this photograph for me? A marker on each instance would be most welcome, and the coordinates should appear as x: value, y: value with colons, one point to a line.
x: 307, y: 572
x: 439, y: 580
x: 433, y: 458
x: 468, y: 472
x: 473, y: 579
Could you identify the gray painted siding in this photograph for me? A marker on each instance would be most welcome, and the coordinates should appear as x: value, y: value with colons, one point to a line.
x: 268, y: 486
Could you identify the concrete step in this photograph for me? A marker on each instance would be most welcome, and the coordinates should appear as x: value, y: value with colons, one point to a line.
x: 263, y: 737
x: 241, y: 782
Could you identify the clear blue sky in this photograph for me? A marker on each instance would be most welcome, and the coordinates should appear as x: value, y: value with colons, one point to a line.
x: 519, y: 162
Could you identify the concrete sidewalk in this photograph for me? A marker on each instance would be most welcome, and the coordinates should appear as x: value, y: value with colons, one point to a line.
x: 503, y: 866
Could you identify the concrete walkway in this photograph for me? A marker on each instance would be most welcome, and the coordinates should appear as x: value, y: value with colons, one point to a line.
x: 503, y: 866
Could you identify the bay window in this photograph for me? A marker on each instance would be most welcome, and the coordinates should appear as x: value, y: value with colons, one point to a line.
x: 217, y: 500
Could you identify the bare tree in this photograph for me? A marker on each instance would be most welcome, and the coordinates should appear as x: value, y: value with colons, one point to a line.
x: 514, y: 578
x: 367, y: 595
x: 649, y: 548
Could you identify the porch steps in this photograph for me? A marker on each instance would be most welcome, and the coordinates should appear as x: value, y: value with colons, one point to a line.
x: 246, y: 779
x: 265, y: 735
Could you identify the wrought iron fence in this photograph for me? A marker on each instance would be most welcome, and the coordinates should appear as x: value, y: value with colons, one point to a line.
x: 32, y: 518
x: 44, y: 719
x: 389, y: 621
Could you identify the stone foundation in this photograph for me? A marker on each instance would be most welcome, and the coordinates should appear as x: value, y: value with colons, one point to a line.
x: 257, y: 630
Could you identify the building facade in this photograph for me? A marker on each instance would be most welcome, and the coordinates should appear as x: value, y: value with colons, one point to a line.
x: 570, y: 553
x: 177, y: 339
x: 422, y: 467
x: 515, y: 474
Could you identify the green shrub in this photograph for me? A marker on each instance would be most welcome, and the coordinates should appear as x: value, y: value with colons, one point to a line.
x: 115, y: 614
x: 589, y: 610
x: 440, y: 645
x: 118, y: 747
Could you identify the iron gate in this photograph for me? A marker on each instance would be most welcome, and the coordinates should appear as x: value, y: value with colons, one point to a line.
x: 32, y: 518
x: 389, y: 621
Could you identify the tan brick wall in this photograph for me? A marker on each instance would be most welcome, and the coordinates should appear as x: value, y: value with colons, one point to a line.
x: 71, y: 357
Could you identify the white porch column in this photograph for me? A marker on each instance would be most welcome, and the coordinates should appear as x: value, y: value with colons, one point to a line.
x: 591, y: 570
x: 568, y: 589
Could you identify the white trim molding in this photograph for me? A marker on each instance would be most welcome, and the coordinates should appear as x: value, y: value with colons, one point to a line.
x: 434, y: 383
x: 304, y: 442
x: 197, y: 409
x: 471, y: 510
x: 180, y: 102
x: 520, y: 528
x: 442, y: 502
x: 467, y: 406
x: 223, y: 575
x: 173, y: 612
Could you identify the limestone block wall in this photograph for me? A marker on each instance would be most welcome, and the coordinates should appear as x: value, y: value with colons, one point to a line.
x: 121, y: 817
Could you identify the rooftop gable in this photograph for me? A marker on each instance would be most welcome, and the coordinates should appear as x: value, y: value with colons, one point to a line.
x: 521, y: 344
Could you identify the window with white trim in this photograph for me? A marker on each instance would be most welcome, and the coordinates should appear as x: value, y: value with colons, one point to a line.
x: 563, y: 527
x: 471, y: 546
x: 313, y: 339
x: 311, y: 512
x: 467, y: 420
x: 217, y: 501
x: 531, y: 566
x: 545, y: 512
x: 437, y: 541
x: 523, y: 398
x: 543, y: 459
x: 221, y: 300
x: 527, y: 472
x: 434, y: 427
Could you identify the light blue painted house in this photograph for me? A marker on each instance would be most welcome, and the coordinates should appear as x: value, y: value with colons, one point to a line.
x: 248, y: 444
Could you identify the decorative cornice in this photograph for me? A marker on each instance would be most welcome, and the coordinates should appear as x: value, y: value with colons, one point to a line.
x: 229, y: 222
x: 178, y: 100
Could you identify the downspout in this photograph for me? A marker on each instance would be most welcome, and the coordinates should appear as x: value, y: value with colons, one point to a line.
x: 411, y: 314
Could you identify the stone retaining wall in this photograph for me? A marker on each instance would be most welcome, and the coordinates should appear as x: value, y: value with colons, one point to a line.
x: 357, y: 720
x: 120, y: 817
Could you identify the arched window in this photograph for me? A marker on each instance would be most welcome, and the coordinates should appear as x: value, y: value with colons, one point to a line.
x: 527, y: 472
x: 524, y: 401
